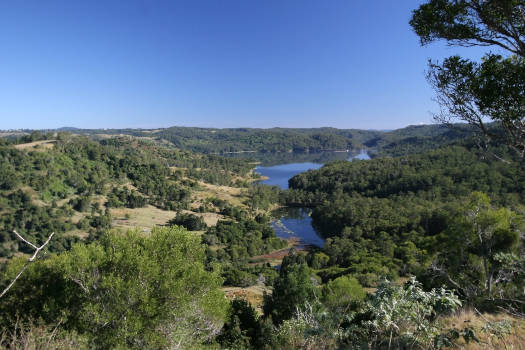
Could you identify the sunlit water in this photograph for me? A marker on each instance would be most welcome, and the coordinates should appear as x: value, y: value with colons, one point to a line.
x: 295, y: 222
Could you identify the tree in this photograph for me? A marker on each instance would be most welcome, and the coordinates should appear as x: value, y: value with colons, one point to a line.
x: 468, y: 258
x: 339, y: 294
x: 472, y: 92
x: 242, y: 326
x: 291, y: 290
x: 126, y: 291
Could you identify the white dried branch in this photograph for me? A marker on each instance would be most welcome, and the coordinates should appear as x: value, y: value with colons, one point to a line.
x: 24, y: 240
x: 30, y: 260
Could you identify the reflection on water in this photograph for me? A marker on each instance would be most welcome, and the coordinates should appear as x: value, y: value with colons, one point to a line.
x: 296, y: 222
x: 363, y: 155
x: 278, y: 175
x: 279, y: 158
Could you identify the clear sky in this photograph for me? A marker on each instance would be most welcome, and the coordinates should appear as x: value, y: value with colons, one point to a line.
x: 213, y: 63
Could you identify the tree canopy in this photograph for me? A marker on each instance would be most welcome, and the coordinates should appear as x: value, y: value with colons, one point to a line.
x: 125, y: 291
x: 492, y: 90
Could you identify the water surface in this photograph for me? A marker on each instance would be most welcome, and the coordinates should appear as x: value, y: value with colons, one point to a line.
x: 278, y: 175
x: 296, y: 222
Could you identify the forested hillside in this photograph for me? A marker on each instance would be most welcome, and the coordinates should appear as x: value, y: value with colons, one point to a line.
x: 265, y: 140
x: 69, y: 185
x: 399, y: 216
x: 415, y: 218
x: 277, y: 140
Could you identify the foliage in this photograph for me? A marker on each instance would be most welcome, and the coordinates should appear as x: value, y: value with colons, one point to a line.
x: 126, y: 291
x: 468, y: 249
x: 389, y: 216
x: 292, y: 289
x: 437, y: 174
x: 242, y: 239
x: 190, y: 221
x: 340, y: 294
x: 261, y: 140
x: 473, y: 92
x: 261, y: 196
x: 40, y: 189
x: 240, y: 331
x: 395, y: 317
x: 125, y: 198
x: 308, y: 329
x: 399, y: 316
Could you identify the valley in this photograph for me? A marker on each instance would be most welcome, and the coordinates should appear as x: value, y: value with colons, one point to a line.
x: 332, y: 217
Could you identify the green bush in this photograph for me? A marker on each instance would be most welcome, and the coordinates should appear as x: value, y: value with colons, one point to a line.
x: 124, y: 291
x: 340, y: 294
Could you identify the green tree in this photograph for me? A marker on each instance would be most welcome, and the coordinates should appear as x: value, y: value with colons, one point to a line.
x: 127, y: 291
x: 339, y: 294
x: 291, y: 290
x: 493, y: 90
x: 240, y: 331
x: 467, y: 258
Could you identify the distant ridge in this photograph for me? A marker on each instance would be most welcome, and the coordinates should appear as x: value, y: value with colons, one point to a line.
x: 411, y: 139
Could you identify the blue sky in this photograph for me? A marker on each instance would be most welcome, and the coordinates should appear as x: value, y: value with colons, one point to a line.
x: 213, y: 63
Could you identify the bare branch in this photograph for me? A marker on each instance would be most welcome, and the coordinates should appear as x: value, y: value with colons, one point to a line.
x: 30, y: 260
x: 24, y: 240
x: 14, y: 280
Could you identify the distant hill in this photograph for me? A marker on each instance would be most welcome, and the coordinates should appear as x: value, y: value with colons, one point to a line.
x: 411, y: 139
x: 419, y: 138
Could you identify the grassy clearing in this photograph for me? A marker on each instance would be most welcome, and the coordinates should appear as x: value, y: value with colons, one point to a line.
x: 145, y: 218
x: 488, y: 340
x: 253, y: 294
x: 37, y: 145
x: 233, y: 195
x: 149, y: 216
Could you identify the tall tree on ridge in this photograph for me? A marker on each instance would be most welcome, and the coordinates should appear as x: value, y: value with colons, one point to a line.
x: 492, y: 90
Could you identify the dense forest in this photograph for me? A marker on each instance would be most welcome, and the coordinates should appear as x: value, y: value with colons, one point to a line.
x: 390, y: 211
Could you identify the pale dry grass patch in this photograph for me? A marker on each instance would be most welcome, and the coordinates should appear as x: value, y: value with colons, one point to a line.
x: 253, y: 294
x: 37, y: 145
x: 470, y: 318
x: 232, y: 195
x: 210, y: 219
x: 145, y: 218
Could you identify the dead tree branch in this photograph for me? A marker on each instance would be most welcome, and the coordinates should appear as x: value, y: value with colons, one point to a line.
x: 29, y: 261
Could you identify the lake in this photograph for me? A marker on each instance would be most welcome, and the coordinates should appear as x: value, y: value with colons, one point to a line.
x: 296, y: 222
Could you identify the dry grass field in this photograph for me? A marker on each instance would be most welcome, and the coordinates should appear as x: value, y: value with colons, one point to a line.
x: 149, y: 216
x: 252, y: 294
x: 209, y: 218
x: 489, y: 337
x: 145, y: 218
x: 233, y: 195
x: 37, y: 145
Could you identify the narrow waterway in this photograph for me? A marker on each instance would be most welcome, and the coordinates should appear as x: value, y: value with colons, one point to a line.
x: 296, y: 222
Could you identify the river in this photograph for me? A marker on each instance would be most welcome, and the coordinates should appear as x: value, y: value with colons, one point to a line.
x: 296, y: 222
